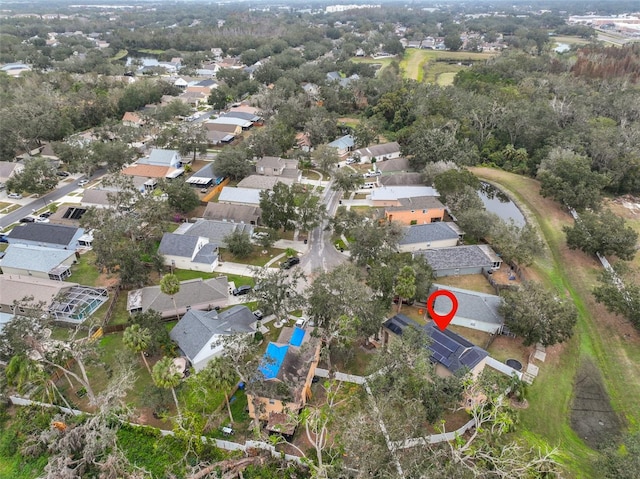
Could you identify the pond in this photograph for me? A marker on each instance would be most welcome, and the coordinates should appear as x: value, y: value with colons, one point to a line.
x: 495, y: 201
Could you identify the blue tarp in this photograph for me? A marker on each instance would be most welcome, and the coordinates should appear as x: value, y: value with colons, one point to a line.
x: 272, y: 360
x: 297, y: 337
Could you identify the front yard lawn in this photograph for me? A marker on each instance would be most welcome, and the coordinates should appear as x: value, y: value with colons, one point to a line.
x: 256, y: 258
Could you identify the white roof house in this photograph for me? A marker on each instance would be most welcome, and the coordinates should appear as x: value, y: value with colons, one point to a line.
x: 240, y: 196
x: 390, y: 195
x: 229, y: 120
x: 37, y: 261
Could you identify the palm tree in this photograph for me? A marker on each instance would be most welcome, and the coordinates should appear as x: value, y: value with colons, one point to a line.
x: 165, y: 375
x: 170, y: 285
x: 405, y: 286
x: 137, y: 339
x: 220, y: 376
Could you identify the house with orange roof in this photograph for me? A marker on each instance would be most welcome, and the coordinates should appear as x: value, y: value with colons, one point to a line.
x: 132, y: 119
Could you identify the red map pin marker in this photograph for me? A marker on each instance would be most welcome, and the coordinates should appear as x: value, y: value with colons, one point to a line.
x: 442, y: 320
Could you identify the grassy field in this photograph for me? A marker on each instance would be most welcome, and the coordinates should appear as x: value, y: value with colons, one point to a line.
x: 432, y: 66
x: 601, y: 337
x: 570, y: 40
x: 85, y: 271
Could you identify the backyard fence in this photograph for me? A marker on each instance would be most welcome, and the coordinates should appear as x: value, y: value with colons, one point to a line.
x: 498, y: 287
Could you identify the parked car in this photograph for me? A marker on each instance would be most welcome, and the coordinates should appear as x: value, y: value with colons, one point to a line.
x: 3, y: 239
x: 64, y: 174
x: 83, y: 182
x: 40, y: 219
x: 301, y: 322
x: 351, y: 161
x: 242, y: 290
x: 371, y: 174
x: 15, y: 196
x: 290, y: 262
x: 27, y: 219
x: 46, y: 214
x: 258, y: 314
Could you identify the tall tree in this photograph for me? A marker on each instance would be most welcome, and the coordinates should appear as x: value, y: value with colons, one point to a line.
x: 604, y: 233
x: 181, y: 196
x: 137, y: 339
x: 165, y: 375
x: 538, y: 315
x: 239, y: 243
x: 325, y: 157
x: 405, y: 286
x: 279, y: 207
x: 619, y: 295
x: 567, y: 178
x: 38, y: 177
x: 170, y: 285
x: 277, y: 291
x: 220, y: 377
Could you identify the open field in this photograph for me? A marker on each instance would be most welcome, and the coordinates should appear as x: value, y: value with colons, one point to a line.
x: 416, y: 62
x: 570, y: 40
x: 608, y: 341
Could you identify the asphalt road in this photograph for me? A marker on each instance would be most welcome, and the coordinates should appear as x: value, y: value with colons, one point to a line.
x: 30, y: 204
x: 322, y: 255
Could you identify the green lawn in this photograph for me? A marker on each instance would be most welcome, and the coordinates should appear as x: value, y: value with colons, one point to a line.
x: 256, y: 258
x: 416, y: 61
x: 85, y: 271
x: 547, y: 418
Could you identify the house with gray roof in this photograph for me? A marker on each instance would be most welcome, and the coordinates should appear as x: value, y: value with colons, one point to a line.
x: 243, y: 115
x: 200, y: 335
x: 161, y: 157
x: 428, y: 236
x: 275, y: 166
x: 9, y: 169
x: 240, y: 196
x: 476, y: 310
x: 450, y: 352
x: 262, y: 182
x: 195, y: 253
x: 343, y: 145
x: 195, y: 294
x: 461, y: 260
x: 395, y: 165
x: 217, y: 137
x: 382, y: 152
x: 230, y: 120
x: 37, y: 261
x: 214, y: 230
x: 46, y: 234
x: 401, y: 179
x: 232, y: 213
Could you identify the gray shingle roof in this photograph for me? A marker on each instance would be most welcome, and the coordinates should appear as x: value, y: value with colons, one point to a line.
x: 197, y: 328
x: 46, y: 233
x: 471, y: 305
x: 457, y: 257
x: 192, y: 293
x: 428, y: 233
x: 215, y: 231
x: 401, y: 179
x: 207, y: 254
x: 242, y: 115
x: 447, y: 348
x: 161, y: 157
x: 262, y: 182
x: 34, y: 258
x: 379, y: 150
x: 236, y: 213
x: 178, y: 245
x: 395, y: 164
x: 343, y: 143
x: 417, y: 203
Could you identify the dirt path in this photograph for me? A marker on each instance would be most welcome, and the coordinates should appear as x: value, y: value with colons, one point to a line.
x: 611, y: 343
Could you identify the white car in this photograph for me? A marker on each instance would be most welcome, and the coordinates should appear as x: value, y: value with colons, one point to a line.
x: 350, y: 161
x: 15, y: 196
x: 83, y: 182
x: 39, y: 219
x: 371, y: 174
